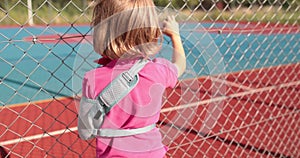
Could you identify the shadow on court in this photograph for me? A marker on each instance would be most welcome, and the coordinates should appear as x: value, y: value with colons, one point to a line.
x: 3, y: 153
x: 228, y: 141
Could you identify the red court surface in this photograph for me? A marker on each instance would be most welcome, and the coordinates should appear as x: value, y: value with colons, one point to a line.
x: 256, y: 115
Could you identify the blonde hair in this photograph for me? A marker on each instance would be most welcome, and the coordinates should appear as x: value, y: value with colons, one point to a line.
x: 125, y: 27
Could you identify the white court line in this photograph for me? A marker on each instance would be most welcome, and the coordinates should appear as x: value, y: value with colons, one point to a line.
x: 230, y: 96
x: 37, y: 136
x: 63, y: 131
x: 231, y: 83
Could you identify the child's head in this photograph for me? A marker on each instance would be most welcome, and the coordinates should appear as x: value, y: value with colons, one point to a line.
x: 125, y: 28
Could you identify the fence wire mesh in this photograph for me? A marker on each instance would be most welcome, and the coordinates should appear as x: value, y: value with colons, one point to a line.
x: 238, y: 98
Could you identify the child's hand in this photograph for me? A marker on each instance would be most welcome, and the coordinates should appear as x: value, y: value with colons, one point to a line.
x: 170, y: 26
x: 171, y: 29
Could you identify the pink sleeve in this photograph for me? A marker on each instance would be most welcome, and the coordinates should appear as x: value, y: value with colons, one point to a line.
x: 170, y: 71
x: 88, y: 87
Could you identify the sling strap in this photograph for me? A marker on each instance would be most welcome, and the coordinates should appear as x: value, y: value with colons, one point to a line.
x: 121, y: 85
x: 122, y: 132
x: 90, y: 120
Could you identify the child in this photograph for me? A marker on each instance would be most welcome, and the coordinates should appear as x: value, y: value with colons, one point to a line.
x: 125, y: 31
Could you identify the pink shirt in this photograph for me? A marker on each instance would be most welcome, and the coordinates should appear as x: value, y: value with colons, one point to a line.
x: 138, y: 109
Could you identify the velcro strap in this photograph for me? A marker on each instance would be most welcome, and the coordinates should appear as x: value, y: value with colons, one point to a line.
x: 122, y: 132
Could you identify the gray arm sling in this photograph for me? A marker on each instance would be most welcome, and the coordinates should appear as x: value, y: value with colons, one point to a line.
x: 92, y: 111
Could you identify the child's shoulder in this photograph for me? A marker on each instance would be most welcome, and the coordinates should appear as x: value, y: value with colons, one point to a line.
x: 94, y: 73
x: 155, y: 64
x: 162, y: 62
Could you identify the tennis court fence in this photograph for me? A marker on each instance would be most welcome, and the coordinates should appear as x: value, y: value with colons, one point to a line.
x: 239, y: 96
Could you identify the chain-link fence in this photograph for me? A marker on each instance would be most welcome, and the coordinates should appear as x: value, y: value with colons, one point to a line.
x: 239, y: 96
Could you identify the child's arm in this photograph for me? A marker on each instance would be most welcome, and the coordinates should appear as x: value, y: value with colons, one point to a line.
x: 171, y: 29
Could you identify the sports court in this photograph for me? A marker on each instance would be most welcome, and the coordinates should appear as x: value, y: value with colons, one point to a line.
x: 238, y: 98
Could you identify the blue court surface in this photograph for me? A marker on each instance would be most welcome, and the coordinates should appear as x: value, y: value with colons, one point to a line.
x: 36, y: 71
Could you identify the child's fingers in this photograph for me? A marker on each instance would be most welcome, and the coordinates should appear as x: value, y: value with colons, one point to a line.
x: 168, y: 18
x: 170, y: 26
x: 164, y: 25
x: 171, y: 18
x: 169, y: 21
